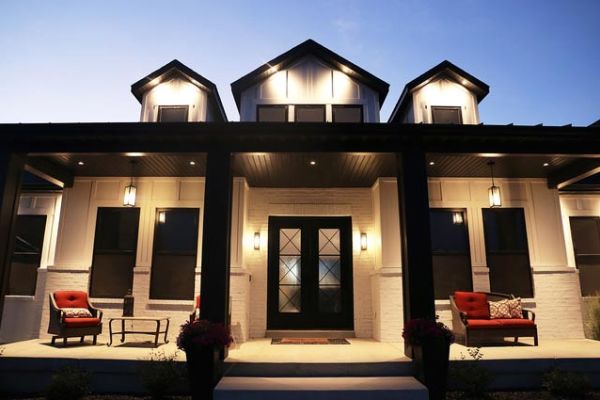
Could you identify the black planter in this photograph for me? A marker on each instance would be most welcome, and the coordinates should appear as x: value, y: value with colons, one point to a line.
x: 431, y: 366
x: 204, y: 370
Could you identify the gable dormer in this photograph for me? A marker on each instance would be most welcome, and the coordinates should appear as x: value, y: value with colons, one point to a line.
x: 176, y: 93
x: 443, y: 95
x: 309, y: 83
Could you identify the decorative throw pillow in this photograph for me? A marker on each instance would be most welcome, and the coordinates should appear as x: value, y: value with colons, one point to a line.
x: 506, y: 309
x: 516, y: 311
x: 76, y: 312
x: 500, y: 309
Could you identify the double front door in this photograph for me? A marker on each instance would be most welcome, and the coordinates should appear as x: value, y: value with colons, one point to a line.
x: 310, y: 273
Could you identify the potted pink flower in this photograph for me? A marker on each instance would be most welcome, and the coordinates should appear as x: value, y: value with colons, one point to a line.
x: 430, y: 343
x: 203, y: 342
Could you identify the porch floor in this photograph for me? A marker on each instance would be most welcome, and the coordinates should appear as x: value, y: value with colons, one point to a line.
x: 27, y: 366
x: 261, y: 351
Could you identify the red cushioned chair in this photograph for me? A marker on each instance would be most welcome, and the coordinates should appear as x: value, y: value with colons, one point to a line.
x: 471, y: 321
x: 195, y: 314
x: 65, y: 327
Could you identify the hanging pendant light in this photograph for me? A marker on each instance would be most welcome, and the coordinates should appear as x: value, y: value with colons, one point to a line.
x: 494, y: 191
x: 130, y: 190
x: 458, y: 218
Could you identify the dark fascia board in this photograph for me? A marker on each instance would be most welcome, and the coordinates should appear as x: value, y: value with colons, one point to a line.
x: 443, y: 69
x: 597, y: 123
x: 177, y: 68
x: 309, y: 47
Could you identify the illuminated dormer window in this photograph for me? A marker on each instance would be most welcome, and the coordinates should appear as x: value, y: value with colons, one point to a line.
x: 314, y: 113
x: 347, y: 113
x: 173, y: 113
x: 446, y: 115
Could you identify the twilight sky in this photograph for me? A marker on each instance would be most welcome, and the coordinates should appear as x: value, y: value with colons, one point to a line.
x: 66, y: 61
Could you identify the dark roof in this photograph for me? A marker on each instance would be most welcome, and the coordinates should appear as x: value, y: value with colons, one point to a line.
x: 597, y: 123
x: 443, y: 69
x: 314, y: 48
x: 177, y: 69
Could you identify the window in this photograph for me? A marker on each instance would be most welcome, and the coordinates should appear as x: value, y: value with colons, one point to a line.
x: 115, y: 246
x: 585, y: 232
x: 173, y: 113
x: 450, y: 252
x: 272, y: 113
x: 346, y: 113
x: 446, y: 115
x: 175, y: 249
x: 507, y: 252
x: 27, y: 254
x: 310, y: 113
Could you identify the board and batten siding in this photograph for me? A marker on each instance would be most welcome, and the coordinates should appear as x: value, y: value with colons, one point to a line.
x: 309, y: 81
x: 442, y: 92
x: 176, y: 92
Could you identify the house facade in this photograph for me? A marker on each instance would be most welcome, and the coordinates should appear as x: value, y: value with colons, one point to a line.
x: 309, y: 215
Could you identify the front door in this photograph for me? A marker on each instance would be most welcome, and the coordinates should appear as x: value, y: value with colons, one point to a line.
x: 310, y: 273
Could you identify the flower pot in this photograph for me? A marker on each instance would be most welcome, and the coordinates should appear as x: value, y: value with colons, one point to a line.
x: 204, y: 370
x: 431, y: 366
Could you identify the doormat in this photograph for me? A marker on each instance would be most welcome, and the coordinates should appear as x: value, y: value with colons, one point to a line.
x: 308, y: 341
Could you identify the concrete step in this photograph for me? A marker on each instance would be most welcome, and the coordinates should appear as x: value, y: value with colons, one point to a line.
x: 319, y: 370
x: 345, y: 388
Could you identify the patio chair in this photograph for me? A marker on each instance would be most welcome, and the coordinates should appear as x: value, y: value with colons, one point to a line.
x: 471, y: 322
x: 72, y: 315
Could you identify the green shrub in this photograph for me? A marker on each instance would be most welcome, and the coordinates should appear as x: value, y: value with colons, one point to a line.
x: 595, y: 318
x: 69, y: 383
x: 566, y: 384
x: 161, y: 374
x: 470, y: 377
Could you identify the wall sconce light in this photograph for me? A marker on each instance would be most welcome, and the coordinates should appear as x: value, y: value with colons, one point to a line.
x: 494, y: 191
x: 363, y: 241
x: 130, y: 190
x: 256, y: 240
x: 457, y: 218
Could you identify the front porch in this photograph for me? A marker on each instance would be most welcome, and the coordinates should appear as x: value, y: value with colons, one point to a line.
x: 26, y: 367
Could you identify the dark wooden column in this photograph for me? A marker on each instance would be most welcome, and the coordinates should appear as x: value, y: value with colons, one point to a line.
x: 216, y: 234
x: 11, y: 171
x: 417, y: 265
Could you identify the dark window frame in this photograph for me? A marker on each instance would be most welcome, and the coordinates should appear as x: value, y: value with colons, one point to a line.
x: 447, y: 108
x: 156, y: 252
x: 43, y: 217
x: 526, y: 251
x: 173, y: 106
x: 96, y: 252
x: 586, y: 274
x: 359, y: 106
x: 468, y: 253
x: 305, y: 106
x: 285, y: 107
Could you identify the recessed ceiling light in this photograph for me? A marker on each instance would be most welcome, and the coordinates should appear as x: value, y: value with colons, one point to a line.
x: 431, y: 162
x: 545, y: 164
x: 80, y: 163
x: 134, y: 154
x: 192, y: 162
x: 313, y: 162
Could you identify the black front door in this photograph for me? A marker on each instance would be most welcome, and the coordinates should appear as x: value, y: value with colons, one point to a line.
x: 310, y: 273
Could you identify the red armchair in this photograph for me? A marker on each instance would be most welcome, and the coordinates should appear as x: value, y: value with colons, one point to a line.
x: 72, y: 315
x: 471, y: 322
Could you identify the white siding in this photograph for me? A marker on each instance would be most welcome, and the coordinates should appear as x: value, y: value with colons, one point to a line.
x: 176, y: 91
x: 309, y: 81
x: 443, y: 92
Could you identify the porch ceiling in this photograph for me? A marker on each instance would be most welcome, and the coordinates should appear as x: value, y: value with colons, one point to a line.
x: 297, y: 170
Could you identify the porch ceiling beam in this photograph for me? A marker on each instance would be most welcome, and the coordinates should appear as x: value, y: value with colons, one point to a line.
x: 50, y: 171
x: 573, y: 173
